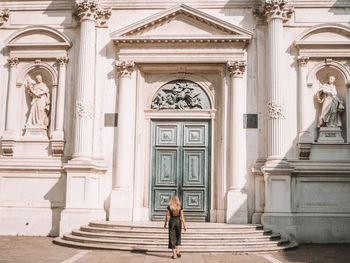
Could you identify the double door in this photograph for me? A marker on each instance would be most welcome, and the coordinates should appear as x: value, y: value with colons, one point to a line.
x: 180, y: 165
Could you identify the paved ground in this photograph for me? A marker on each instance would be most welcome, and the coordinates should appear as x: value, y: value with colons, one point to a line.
x: 42, y: 250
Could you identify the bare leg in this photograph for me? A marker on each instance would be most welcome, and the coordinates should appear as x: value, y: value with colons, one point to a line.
x: 174, y: 253
x: 178, y: 250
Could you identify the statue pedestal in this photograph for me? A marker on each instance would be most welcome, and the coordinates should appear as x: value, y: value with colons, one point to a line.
x: 330, y: 135
x: 36, y: 133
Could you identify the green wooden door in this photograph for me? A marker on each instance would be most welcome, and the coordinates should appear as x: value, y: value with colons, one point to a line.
x: 180, y: 165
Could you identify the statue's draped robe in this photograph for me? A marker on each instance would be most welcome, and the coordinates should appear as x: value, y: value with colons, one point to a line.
x: 40, y: 106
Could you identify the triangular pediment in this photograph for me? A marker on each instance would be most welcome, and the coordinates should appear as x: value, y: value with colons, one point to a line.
x: 183, y: 22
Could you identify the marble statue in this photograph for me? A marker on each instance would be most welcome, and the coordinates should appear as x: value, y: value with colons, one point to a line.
x: 332, y: 105
x: 40, y: 104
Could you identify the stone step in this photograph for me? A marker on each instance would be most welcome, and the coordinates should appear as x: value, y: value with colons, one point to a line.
x: 157, y: 225
x: 230, y: 249
x: 164, y: 231
x: 185, y: 236
x: 157, y: 243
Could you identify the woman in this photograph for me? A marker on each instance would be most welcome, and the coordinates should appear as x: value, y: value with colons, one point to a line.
x: 176, y: 216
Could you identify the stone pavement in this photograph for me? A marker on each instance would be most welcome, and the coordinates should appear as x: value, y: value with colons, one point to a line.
x: 41, y: 250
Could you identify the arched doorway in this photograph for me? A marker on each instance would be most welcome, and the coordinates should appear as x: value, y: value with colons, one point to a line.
x: 180, y: 152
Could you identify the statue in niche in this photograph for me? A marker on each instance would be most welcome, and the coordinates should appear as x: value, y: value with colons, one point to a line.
x: 40, y: 104
x: 332, y: 105
x: 180, y: 95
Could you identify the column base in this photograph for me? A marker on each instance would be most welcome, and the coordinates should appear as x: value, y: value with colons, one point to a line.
x: 256, y: 218
x: 237, y: 209
x: 74, y: 218
x: 120, y: 205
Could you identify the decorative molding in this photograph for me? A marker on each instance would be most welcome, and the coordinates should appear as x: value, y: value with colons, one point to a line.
x: 180, y: 94
x: 57, y: 147
x: 125, y: 68
x: 91, y: 10
x: 236, y: 68
x: 302, y: 61
x: 276, y: 110
x: 83, y: 109
x: 62, y: 61
x: 273, y: 9
x: 13, y: 61
x: 4, y: 16
x: 7, y: 147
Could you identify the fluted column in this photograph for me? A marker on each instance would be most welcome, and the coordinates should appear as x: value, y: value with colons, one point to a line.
x: 275, y: 13
x: 236, y: 197
x: 121, y: 197
x: 87, y: 11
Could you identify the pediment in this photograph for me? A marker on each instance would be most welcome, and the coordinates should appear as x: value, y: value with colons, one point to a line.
x: 180, y: 22
x: 38, y: 36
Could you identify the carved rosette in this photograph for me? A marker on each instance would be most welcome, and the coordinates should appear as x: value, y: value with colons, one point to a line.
x: 62, y: 61
x: 274, y: 9
x: 302, y: 61
x: 125, y: 68
x: 83, y: 109
x: 13, y: 62
x: 236, y: 68
x: 4, y: 16
x: 91, y: 9
x: 276, y: 110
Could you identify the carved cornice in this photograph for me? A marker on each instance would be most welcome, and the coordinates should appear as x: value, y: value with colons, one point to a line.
x: 302, y: 61
x: 236, y: 68
x: 62, y: 61
x: 125, y: 68
x: 13, y: 62
x: 274, y: 9
x: 275, y: 110
x: 4, y: 16
x: 91, y: 10
x: 83, y: 109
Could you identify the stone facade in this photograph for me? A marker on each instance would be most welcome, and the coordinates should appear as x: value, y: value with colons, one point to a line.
x: 67, y: 66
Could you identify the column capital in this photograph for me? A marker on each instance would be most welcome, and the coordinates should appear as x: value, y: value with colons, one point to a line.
x: 274, y: 9
x: 236, y: 68
x: 62, y: 61
x: 13, y: 61
x: 276, y: 110
x: 4, y: 16
x: 302, y: 61
x: 125, y: 68
x: 91, y: 10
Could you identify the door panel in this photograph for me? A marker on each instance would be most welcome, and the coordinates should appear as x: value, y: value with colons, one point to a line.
x: 180, y: 165
x: 166, y: 167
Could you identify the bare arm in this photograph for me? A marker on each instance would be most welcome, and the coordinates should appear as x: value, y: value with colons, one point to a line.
x: 183, y: 219
x: 166, y: 218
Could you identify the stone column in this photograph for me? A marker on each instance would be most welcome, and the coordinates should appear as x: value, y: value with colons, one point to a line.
x: 236, y: 197
x: 58, y: 134
x: 305, y: 139
x: 11, y: 111
x: 84, y: 175
x: 121, y: 196
x: 277, y: 172
x: 87, y: 11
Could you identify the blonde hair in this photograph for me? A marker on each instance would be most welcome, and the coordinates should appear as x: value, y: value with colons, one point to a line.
x: 175, y: 205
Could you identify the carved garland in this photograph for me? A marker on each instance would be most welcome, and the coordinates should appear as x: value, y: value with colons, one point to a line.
x: 276, y: 110
x: 83, y: 109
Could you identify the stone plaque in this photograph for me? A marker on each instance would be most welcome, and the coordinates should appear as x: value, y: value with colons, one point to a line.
x: 250, y: 121
x: 111, y: 119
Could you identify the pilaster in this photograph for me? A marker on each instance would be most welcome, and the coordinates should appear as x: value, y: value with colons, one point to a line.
x: 8, y: 138
x: 237, y: 211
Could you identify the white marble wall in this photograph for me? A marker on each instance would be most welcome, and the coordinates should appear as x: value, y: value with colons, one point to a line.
x: 317, y: 197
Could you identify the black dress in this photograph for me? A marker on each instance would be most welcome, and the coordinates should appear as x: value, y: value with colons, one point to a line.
x: 175, y: 226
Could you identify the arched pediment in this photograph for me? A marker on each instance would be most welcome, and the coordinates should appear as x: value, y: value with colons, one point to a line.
x: 325, y: 40
x: 38, y: 41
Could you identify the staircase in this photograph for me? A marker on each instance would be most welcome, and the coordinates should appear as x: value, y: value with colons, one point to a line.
x: 152, y: 237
